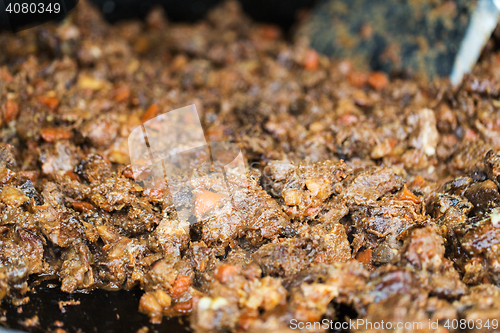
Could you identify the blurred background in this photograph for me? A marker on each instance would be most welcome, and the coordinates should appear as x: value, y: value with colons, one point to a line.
x: 400, y: 37
x: 281, y: 12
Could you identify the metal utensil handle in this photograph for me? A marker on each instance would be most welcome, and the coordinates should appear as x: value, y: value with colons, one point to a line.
x: 482, y: 24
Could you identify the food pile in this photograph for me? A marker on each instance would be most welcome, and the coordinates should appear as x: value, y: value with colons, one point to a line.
x: 367, y: 197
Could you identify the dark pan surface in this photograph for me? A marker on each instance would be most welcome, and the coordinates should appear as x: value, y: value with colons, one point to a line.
x: 98, y: 311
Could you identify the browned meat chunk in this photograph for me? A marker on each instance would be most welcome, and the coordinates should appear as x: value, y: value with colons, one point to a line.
x: 383, y: 227
x: 481, y: 242
x: 58, y: 158
x: 76, y: 270
x: 249, y: 214
x: 492, y: 163
x: 469, y: 158
x: 7, y: 157
x: 304, y: 188
x: 21, y: 254
x: 370, y: 185
x: 426, y: 252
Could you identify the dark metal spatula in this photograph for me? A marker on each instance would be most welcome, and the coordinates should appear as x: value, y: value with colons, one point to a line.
x: 436, y: 38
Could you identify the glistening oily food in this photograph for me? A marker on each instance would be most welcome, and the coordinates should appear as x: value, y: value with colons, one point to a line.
x: 366, y: 197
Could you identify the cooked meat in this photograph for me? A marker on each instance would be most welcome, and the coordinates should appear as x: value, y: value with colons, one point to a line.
x: 368, y: 197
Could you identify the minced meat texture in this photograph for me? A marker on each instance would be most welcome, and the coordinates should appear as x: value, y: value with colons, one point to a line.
x: 367, y: 196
